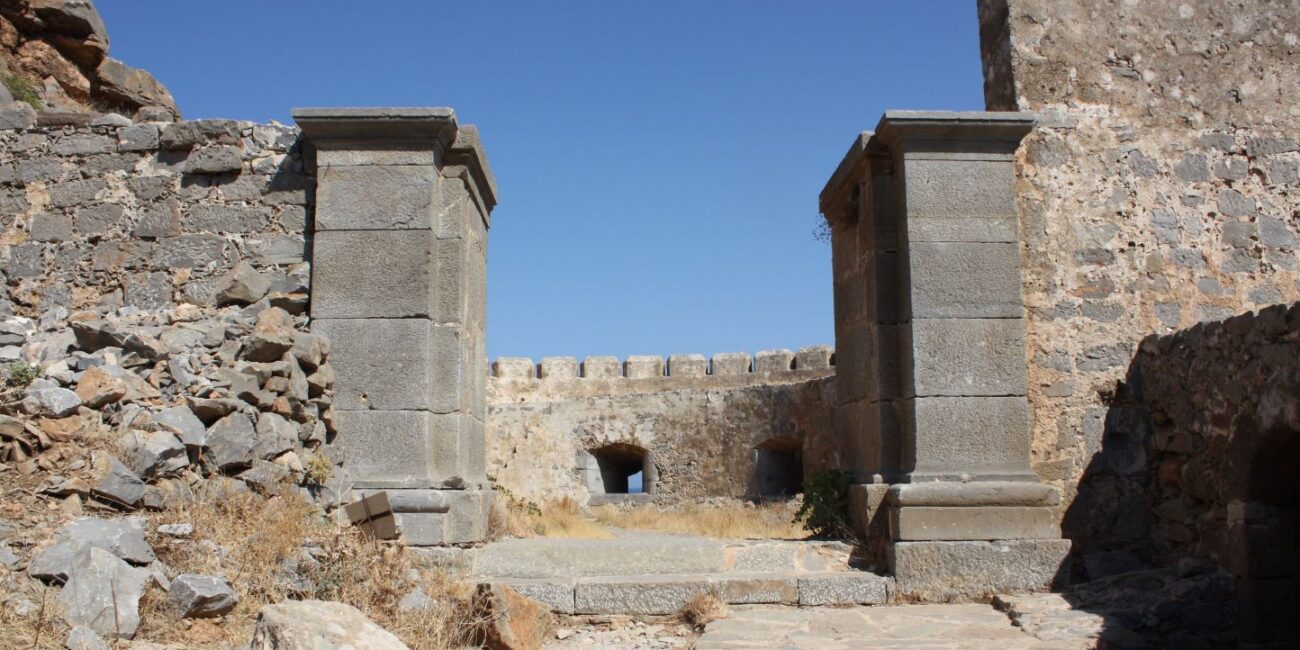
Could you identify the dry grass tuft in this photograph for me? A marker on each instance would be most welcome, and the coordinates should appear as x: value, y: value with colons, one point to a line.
x: 281, y: 548
x: 730, y: 520
x: 703, y: 608
x: 40, y: 632
x: 515, y: 517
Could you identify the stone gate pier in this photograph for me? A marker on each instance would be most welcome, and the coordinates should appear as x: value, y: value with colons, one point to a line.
x: 932, y: 411
x: 399, y: 246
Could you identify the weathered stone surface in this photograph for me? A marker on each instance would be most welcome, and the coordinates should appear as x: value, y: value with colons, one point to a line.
x: 766, y: 361
x: 295, y: 625
x: 243, y: 285
x: 120, y: 82
x: 84, y: 638
x: 103, y: 593
x: 376, y: 197
x: 182, y: 422
x: 50, y: 402
x: 843, y: 588
x: 97, y: 388
x: 214, y: 160
x: 939, y: 571
x: 973, y: 523
x: 116, y: 482
x: 122, y: 537
x: 969, y: 357
x: 643, y: 367
x: 650, y: 595
x: 231, y: 441
x: 198, y: 596
x: 153, y: 454
x: 387, y: 447
x: 515, y: 622
x: 393, y: 364
x: 373, y: 274
x: 965, y: 280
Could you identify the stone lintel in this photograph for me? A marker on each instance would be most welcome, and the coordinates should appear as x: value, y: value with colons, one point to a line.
x: 978, y: 493
x: 995, y: 133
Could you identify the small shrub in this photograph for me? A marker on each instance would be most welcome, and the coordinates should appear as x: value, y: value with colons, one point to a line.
x: 825, y: 509
x: 19, y: 374
x: 319, y: 469
x: 703, y: 608
x: 23, y: 90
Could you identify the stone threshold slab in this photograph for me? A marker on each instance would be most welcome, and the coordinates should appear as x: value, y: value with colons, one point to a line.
x: 664, y: 594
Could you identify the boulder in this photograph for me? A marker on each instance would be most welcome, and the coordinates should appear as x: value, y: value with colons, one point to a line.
x: 275, y: 435
x: 264, y: 477
x: 117, y: 483
x: 84, y: 638
x: 196, y: 596
x: 103, y: 593
x: 50, y: 402
x: 319, y: 625
x: 154, y: 454
x: 513, y: 622
x: 231, y: 441
x: 121, y: 83
x: 182, y: 422
x: 123, y: 538
x: 98, y: 388
x: 75, y: 28
x: 243, y: 285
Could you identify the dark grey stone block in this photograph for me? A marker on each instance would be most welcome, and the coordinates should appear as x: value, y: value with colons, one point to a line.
x: 385, y: 363
x: 971, y: 435
x: 969, y: 357
x: 386, y: 449
x: 226, y: 218
x: 965, y: 280
x: 395, y: 197
x: 376, y: 273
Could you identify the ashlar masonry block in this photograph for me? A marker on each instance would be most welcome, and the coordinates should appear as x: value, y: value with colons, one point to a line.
x: 376, y: 197
x: 965, y: 280
x: 374, y: 274
x: 382, y: 363
x: 973, y: 357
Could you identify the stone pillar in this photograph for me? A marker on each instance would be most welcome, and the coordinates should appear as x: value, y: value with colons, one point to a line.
x: 399, y: 245
x: 929, y: 318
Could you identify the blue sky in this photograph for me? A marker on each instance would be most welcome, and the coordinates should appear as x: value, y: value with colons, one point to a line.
x: 658, y: 162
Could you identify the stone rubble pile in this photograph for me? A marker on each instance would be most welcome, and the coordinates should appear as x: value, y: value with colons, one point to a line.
x: 119, y: 409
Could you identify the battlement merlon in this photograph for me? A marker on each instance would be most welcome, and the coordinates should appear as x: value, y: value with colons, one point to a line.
x: 817, y: 358
x: 458, y: 146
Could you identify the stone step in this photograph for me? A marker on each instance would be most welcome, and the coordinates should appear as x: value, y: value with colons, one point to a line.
x: 653, y: 553
x: 663, y: 594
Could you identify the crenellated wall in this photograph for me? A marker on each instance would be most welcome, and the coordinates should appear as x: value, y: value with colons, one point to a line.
x: 725, y: 426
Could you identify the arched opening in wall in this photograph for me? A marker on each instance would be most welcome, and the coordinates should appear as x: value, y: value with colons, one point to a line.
x: 621, y: 469
x: 1264, y: 544
x: 778, y: 467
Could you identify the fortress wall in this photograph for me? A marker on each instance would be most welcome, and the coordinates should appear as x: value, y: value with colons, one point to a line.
x: 1158, y: 191
x: 158, y: 211
x: 701, y: 420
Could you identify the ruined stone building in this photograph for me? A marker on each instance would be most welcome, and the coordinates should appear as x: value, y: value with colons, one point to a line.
x: 1067, y: 328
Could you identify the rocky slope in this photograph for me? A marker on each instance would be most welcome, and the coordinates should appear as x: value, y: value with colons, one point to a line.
x: 55, y: 55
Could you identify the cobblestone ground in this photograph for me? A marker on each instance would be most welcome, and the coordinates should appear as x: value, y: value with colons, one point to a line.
x: 1051, y: 625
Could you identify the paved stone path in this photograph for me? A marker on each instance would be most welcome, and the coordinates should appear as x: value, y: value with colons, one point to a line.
x: 946, y: 627
x: 1052, y: 626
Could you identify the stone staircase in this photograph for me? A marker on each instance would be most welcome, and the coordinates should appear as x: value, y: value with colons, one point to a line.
x: 640, y: 573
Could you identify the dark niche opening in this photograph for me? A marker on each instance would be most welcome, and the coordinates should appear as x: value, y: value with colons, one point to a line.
x: 778, y: 467
x: 623, y: 469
